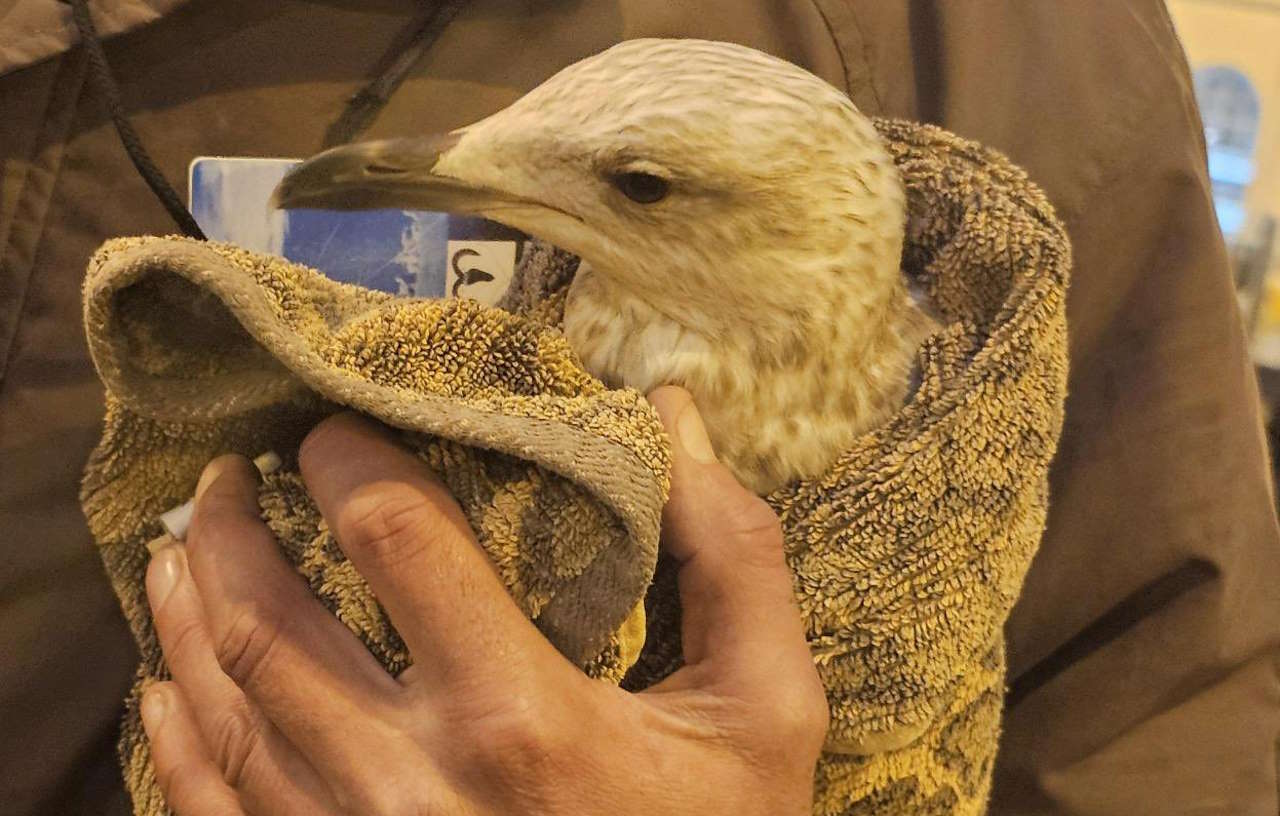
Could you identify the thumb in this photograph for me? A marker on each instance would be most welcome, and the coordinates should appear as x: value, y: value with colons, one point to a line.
x: 737, y: 603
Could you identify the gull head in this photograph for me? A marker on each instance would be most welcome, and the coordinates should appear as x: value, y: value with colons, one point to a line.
x: 712, y: 181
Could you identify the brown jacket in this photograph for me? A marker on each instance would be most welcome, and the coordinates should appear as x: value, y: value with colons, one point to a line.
x: 1144, y: 650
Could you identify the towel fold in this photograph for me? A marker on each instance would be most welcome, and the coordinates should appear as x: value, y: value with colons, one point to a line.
x: 908, y: 554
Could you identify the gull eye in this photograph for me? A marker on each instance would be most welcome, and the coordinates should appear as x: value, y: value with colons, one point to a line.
x: 642, y: 188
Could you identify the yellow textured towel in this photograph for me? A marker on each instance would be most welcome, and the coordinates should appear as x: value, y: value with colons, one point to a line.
x: 907, y: 555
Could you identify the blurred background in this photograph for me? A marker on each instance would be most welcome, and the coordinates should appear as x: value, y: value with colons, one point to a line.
x: 1234, y: 50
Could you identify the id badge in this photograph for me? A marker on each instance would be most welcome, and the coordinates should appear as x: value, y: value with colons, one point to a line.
x: 416, y: 253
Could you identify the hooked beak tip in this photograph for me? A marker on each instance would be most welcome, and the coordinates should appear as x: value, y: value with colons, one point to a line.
x: 279, y: 198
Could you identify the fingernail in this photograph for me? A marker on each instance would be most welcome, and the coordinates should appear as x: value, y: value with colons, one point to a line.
x: 209, y: 475
x: 155, y: 704
x: 167, y: 567
x: 693, y: 435
x: 158, y: 543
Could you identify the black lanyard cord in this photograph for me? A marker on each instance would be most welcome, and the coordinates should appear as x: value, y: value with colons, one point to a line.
x: 100, y: 75
x: 391, y: 71
x: 359, y: 113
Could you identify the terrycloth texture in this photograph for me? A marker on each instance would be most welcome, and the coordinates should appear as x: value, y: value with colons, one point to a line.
x: 908, y: 554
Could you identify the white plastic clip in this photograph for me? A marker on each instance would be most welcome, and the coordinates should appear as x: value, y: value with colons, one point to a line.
x: 177, y: 520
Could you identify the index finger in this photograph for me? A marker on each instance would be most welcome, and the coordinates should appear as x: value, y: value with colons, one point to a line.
x: 410, y: 540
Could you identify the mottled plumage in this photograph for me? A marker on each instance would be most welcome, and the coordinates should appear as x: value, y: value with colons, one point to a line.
x: 740, y: 227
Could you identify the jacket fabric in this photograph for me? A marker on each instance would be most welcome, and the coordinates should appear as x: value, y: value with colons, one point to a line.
x: 1143, y: 650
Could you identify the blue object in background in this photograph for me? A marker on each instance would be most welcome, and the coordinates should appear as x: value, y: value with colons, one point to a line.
x: 1231, y: 111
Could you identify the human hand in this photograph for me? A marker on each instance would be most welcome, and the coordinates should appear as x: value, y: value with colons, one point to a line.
x: 275, y: 707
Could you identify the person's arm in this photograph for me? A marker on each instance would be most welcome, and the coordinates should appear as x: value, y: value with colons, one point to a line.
x: 1143, y: 651
x: 275, y: 707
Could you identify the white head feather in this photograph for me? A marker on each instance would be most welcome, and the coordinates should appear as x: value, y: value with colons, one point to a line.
x: 778, y: 185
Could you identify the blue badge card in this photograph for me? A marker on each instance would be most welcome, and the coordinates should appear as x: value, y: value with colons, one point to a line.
x: 406, y: 252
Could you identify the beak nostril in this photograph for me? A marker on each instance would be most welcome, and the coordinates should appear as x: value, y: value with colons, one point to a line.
x: 382, y: 170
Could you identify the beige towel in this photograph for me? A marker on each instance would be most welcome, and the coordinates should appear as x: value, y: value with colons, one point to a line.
x: 907, y: 555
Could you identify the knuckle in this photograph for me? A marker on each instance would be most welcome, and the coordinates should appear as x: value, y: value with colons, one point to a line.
x: 521, y: 729
x: 755, y: 529
x: 235, y: 743
x: 186, y: 638
x: 799, y: 715
x: 246, y: 647
x: 518, y: 741
x: 389, y: 526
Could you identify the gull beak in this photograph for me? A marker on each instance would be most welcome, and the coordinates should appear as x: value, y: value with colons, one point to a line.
x: 405, y: 174
x: 387, y: 174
